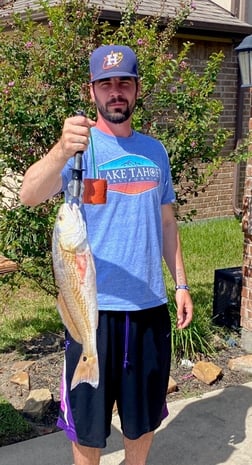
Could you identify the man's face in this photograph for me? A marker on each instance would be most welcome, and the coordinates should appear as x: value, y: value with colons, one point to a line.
x: 115, y: 98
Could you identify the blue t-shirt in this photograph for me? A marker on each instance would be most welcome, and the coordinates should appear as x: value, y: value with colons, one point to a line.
x: 125, y: 234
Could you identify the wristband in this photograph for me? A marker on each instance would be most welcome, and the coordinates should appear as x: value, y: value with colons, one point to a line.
x: 182, y: 286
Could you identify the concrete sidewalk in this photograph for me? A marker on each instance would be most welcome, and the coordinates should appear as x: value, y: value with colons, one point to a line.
x: 215, y: 429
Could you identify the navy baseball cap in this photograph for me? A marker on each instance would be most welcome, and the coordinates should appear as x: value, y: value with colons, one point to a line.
x: 113, y: 61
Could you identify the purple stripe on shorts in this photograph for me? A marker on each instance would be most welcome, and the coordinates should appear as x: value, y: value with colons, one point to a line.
x: 65, y: 420
x: 165, y: 411
x: 126, y: 344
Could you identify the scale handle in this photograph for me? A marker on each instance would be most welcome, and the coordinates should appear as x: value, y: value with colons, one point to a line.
x: 77, y: 169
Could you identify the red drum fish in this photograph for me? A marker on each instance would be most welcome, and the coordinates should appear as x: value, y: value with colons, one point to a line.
x: 75, y: 276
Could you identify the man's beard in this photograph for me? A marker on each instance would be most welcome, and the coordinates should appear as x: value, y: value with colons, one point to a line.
x: 117, y: 116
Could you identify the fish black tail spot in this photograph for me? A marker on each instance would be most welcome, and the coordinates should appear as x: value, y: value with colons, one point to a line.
x: 87, y: 371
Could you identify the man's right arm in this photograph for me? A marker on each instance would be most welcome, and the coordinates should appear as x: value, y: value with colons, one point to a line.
x: 43, y: 179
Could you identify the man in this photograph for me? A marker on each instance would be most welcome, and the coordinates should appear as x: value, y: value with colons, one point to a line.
x: 128, y: 236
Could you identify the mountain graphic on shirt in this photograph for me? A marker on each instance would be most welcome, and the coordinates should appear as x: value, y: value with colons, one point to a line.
x: 130, y: 174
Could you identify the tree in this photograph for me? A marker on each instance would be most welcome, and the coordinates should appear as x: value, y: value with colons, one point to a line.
x: 43, y: 68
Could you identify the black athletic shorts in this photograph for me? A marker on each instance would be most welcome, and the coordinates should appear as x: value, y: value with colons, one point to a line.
x: 134, y: 350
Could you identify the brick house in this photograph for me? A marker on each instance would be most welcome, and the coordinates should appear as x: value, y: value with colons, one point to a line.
x: 211, y: 28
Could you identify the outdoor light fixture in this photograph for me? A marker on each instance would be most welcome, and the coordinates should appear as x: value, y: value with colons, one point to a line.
x: 244, y: 51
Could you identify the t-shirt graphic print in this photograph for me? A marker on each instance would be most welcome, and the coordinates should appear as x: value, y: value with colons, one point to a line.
x: 131, y: 174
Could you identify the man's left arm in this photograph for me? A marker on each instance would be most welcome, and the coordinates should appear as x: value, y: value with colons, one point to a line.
x: 173, y: 257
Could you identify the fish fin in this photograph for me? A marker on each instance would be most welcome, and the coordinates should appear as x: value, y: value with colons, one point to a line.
x: 81, y: 263
x: 87, y: 371
x: 67, y: 319
x: 82, y: 267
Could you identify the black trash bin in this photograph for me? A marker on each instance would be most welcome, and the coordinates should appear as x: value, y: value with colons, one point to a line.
x: 227, y: 297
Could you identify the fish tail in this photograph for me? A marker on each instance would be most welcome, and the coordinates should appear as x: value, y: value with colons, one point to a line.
x: 87, y: 371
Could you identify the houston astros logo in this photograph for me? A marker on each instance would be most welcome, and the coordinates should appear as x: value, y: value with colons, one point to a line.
x: 112, y: 60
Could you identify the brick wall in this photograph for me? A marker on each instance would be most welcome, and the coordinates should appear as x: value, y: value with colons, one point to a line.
x: 220, y: 197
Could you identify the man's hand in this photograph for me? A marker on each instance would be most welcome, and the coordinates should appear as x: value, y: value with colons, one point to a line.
x: 184, y: 308
x: 75, y: 135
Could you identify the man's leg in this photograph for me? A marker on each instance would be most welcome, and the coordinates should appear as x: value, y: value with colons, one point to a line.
x: 85, y: 455
x: 136, y: 451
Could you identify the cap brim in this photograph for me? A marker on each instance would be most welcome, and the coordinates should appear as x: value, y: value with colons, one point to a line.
x: 113, y: 74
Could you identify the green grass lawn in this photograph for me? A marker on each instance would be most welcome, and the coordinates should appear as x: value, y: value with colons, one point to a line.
x: 207, y: 246
x: 25, y: 313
